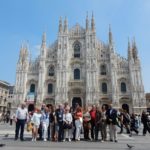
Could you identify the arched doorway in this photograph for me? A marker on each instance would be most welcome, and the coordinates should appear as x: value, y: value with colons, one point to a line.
x: 125, y: 107
x: 31, y: 107
x: 76, y: 100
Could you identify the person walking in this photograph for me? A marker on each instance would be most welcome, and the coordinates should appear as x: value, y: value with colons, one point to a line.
x: 111, y: 115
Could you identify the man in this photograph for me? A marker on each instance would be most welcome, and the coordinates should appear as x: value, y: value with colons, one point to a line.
x: 59, y: 121
x: 111, y: 116
x: 20, y: 119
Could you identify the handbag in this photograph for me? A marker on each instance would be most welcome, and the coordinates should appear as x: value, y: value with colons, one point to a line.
x: 67, y: 125
x: 29, y: 126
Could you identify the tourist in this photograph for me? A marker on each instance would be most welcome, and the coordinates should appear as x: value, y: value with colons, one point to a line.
x: 86, y: 123
x: 20, y: 119
x: 78, y: 122
x: 98, y: 118
x: 59, y: 121
x: 103, y: 124
x: 111, y: 115
x: 35, y: 120
x: 45, y: 122
x: 67, y: 123
x: 93, y: 116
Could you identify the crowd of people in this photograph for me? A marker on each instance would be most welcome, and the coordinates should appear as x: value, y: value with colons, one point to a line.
x: 64, y: 123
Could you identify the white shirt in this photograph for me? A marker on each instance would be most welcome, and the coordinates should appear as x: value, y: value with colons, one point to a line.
x: 36, y: 118
x: 21, y: 113
x: 67, y: 117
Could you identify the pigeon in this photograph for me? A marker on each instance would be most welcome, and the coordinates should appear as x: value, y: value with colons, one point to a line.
x: 6, y: 135
x: 1, y: 145
x: 130, y: 146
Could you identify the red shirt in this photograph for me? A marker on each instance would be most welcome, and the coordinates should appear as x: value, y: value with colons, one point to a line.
x: 78, y: 115
x: 93, y: 114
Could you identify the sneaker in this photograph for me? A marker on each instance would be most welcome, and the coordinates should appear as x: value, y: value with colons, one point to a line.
x: 45, y: 140
x: 116, y: 141
x: 69, y: 140
x: 35, y: 139
x: 64, y: 140
x: 78, y: 139
x: 102, y: 141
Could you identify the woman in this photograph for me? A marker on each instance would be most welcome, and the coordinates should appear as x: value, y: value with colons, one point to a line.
x: 98, y: 117
x: 36, y: 123
x: 86, y: 123
x: 78, y: 123
x: 103, y: 124
x: 45, y: 122
x: 67, y: 121
x: 51, y: 123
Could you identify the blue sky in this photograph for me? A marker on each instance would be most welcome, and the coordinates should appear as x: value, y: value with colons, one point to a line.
x: 25, y: 20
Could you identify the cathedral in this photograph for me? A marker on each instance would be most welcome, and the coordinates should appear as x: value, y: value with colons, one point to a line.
x: 79, y: 68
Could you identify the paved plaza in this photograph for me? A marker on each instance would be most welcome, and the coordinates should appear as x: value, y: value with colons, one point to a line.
x: 138, y: 141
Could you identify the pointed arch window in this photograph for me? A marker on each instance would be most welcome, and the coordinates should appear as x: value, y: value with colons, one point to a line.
x: 103, y: 69
x: 50, y: 88
x: 77, y: 74
x: 32, y: 88
x: 123, y: 87
x: 77, y: 50
x: 51, y: 71
x: 104, y: 88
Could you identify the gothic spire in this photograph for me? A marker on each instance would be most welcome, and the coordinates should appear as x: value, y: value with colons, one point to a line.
x: 93, y: 23
x: 110, y: 36
x: 43, y: 40
x: 129, y: 50
x: 87, y: 22
x: 66, y: 25
x: 134, y: 49
x: 60, y: 25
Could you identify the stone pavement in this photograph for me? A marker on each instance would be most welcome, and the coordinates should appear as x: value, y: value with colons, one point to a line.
x: 140, y: 142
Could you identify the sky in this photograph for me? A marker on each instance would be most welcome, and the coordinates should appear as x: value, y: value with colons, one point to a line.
x: 26, y: 20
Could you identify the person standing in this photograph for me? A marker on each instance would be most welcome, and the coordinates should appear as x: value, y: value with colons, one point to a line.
x: 20, y: 119
x: 98, y: 118
x: 78, y: 122
x: 67, y: 121
x: 36, y: 118
x: 45, y: 122
x: 86, y: 123
x: 103, y: 124
x: 93, y: 116
x: 59, y: 121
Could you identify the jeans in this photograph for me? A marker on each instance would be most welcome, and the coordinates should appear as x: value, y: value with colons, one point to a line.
x: 20, y: 124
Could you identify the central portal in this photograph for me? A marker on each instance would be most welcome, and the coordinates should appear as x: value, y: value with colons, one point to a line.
x: 76, y: 100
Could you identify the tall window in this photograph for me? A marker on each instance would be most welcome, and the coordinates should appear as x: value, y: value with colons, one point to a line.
x: 104, y: 88
x: 51, y: 71
x: 103, y: 69
x: 32, y: 88
x: 77, y: 50
x: 123, y: 87
x: 76, y: 74
x: 50, y: 88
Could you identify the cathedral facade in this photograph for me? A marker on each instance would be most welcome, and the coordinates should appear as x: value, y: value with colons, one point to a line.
x: 79, y: 68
